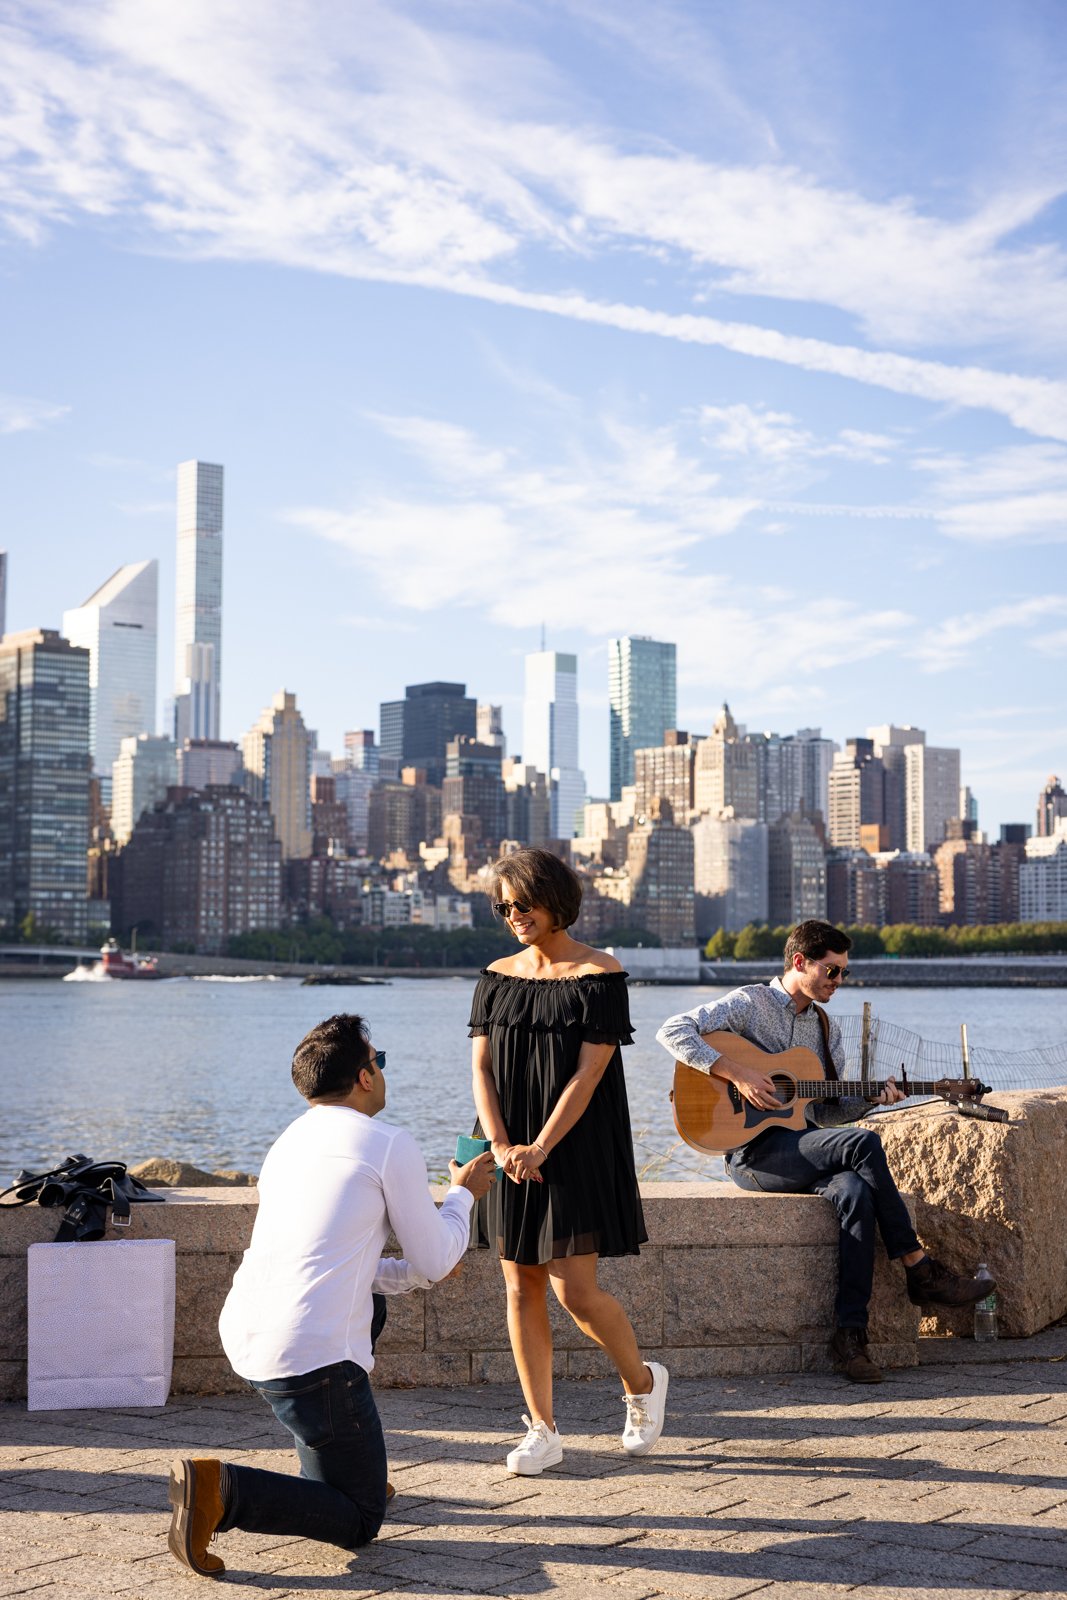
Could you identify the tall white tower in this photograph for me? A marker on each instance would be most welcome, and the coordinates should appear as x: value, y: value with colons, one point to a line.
x: 118, y: 626
x: 550, y: 734
x: 198, y: 617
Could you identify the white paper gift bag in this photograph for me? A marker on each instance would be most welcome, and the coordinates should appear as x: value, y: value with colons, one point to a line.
x: 100, y: 1324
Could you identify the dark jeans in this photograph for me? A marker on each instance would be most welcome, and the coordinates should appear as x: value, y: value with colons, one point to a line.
x: 848, y: 1166
x: 339, y: 1496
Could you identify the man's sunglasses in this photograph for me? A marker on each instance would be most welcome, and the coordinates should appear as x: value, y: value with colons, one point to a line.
x: 379, y: 1060
x: 504, y: 908
x: 832, y: 970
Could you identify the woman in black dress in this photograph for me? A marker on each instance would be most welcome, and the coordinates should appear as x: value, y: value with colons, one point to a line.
x: 547, y: 1024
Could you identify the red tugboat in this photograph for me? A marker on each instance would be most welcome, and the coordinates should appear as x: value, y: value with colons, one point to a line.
x: 116, y: 964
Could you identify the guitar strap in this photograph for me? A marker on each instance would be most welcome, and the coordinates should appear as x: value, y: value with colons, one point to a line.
x: 827, y: 1055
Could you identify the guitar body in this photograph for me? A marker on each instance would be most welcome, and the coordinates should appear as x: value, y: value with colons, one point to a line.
x: 712, y: 1116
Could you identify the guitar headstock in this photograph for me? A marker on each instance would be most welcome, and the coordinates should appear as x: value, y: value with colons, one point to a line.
x: 956, y: 1089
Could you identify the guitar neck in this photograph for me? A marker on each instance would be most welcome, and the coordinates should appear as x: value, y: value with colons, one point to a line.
x: 861, y: 1088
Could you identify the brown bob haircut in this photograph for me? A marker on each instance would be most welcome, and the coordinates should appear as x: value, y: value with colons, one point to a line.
x: 538, y: 878
x: 812, y: 940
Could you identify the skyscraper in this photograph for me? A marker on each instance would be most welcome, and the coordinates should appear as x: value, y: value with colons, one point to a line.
x: 932, y: 793
x: 3, y: 593
x: 857, y: 793
x: 1051, y: 807
x: 277, y: 757
x: 550, y: 734
x: 417, y: 730
x: 727, y: 770
x: 118, y: 627
x: 44, y: 781
x: 890, y: 744
x: 198, y: 614
x: 642, y: 690
x: 145, y: 768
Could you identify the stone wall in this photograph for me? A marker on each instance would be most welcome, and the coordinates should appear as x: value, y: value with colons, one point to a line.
x: 992, y: 1192
x: 729, y: 1283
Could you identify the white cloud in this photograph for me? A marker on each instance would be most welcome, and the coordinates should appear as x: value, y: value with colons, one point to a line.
x: 949, y: 643
x: 1051, y: 644
x: 1036, y: 518
x: 621, y: 550
x: 776, y: 436
x: 354, y: 141
x: 20, y: 415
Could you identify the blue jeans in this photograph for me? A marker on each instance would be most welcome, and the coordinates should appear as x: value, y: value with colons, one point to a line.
x: 849, y: 1167
x: 339, y: 1496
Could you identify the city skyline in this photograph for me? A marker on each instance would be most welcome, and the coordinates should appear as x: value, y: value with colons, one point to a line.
x: 548, y: 317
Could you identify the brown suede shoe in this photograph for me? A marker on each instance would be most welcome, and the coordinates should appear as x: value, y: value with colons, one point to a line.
x: 389, y: 1492
x: 931, y: 1284
x: 849, y: 1350
x: 196, y: 1495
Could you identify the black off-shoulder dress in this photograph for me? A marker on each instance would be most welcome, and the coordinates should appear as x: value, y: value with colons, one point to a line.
x: 588, y: 1201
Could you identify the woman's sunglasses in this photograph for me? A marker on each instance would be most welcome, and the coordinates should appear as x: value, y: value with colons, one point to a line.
x: 504, y: 908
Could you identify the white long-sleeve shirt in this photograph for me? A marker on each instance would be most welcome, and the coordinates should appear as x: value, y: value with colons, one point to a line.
x: 331, y: 1188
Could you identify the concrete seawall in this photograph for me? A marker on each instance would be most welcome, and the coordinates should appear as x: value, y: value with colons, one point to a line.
x: 914, y: 972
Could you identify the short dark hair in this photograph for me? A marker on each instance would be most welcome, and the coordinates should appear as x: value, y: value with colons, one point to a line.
x: 538, y: 878
x: 329, y: 1059
x: 813, y: 939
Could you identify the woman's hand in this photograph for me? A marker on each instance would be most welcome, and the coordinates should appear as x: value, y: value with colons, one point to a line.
x: 501, y: 1150
x: 525, y: 1162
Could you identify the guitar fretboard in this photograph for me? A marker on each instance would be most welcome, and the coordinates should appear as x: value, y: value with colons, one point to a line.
x: 865, y: 1088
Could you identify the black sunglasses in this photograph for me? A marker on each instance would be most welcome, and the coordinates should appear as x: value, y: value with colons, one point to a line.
x: 504, y: 908
x: 832, y: 970
x: 379, y: 1060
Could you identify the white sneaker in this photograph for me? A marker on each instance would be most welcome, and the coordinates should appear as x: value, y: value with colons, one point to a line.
x: 541, y: 1448
x: 644, y: 1413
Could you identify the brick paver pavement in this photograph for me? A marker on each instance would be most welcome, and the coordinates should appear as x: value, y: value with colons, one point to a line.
x: 947, y: 1481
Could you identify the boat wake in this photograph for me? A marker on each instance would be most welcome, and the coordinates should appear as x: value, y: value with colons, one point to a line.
x: 244, y: 977
x: 93, y: 974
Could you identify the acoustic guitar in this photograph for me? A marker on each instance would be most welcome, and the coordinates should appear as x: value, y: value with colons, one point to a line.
x: 713, y: 1116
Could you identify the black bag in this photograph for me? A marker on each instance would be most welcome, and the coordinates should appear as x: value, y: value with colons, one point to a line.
x: 86, y: 1189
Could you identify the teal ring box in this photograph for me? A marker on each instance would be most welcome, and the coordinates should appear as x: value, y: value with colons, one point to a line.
x: 467, y: 1148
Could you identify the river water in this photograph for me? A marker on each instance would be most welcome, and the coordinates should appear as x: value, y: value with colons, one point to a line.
x: 198, y: 1069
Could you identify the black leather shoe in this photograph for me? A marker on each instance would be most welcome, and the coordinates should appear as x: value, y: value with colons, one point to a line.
x: 931, y: 1284
x: 849, y: 1350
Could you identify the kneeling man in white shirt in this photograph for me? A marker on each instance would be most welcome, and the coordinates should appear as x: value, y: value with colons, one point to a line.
x: 297, y: 1323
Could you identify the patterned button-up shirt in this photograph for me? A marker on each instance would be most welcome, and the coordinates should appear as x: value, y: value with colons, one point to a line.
x: 765, y: 1014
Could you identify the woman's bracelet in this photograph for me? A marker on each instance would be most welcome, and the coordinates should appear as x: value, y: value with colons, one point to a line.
x: 536, y: 1146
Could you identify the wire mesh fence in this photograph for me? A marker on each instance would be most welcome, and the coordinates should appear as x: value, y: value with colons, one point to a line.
x: 893, y: 1050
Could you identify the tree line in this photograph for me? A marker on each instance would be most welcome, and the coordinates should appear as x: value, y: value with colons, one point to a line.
x: 758, y: 941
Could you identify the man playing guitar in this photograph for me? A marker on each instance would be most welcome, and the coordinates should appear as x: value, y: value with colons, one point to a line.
x: 828, y: 1157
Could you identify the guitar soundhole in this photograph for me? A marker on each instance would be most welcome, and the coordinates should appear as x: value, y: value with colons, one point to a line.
x: 784, y: 1089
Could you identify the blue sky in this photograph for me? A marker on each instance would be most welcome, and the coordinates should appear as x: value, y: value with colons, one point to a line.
x: 738, y: 325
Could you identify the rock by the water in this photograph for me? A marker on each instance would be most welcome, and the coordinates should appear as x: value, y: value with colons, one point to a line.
x: 159, y: 1172
x: 992, y: 1192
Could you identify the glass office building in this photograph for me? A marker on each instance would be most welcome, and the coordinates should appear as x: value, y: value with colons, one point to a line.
x: 643, y: 697
x: 44, y: 782
x: 118, y: 627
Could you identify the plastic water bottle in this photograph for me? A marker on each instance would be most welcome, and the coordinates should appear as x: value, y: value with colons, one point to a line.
x: 985, y: 1310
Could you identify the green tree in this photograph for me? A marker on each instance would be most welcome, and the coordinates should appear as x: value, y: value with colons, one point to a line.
x: 720, y: 947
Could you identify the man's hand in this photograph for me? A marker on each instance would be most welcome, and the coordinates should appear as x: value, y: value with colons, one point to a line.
x: 477, y: 1175
x: 752, y: 1084
x: 891, y: 1094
